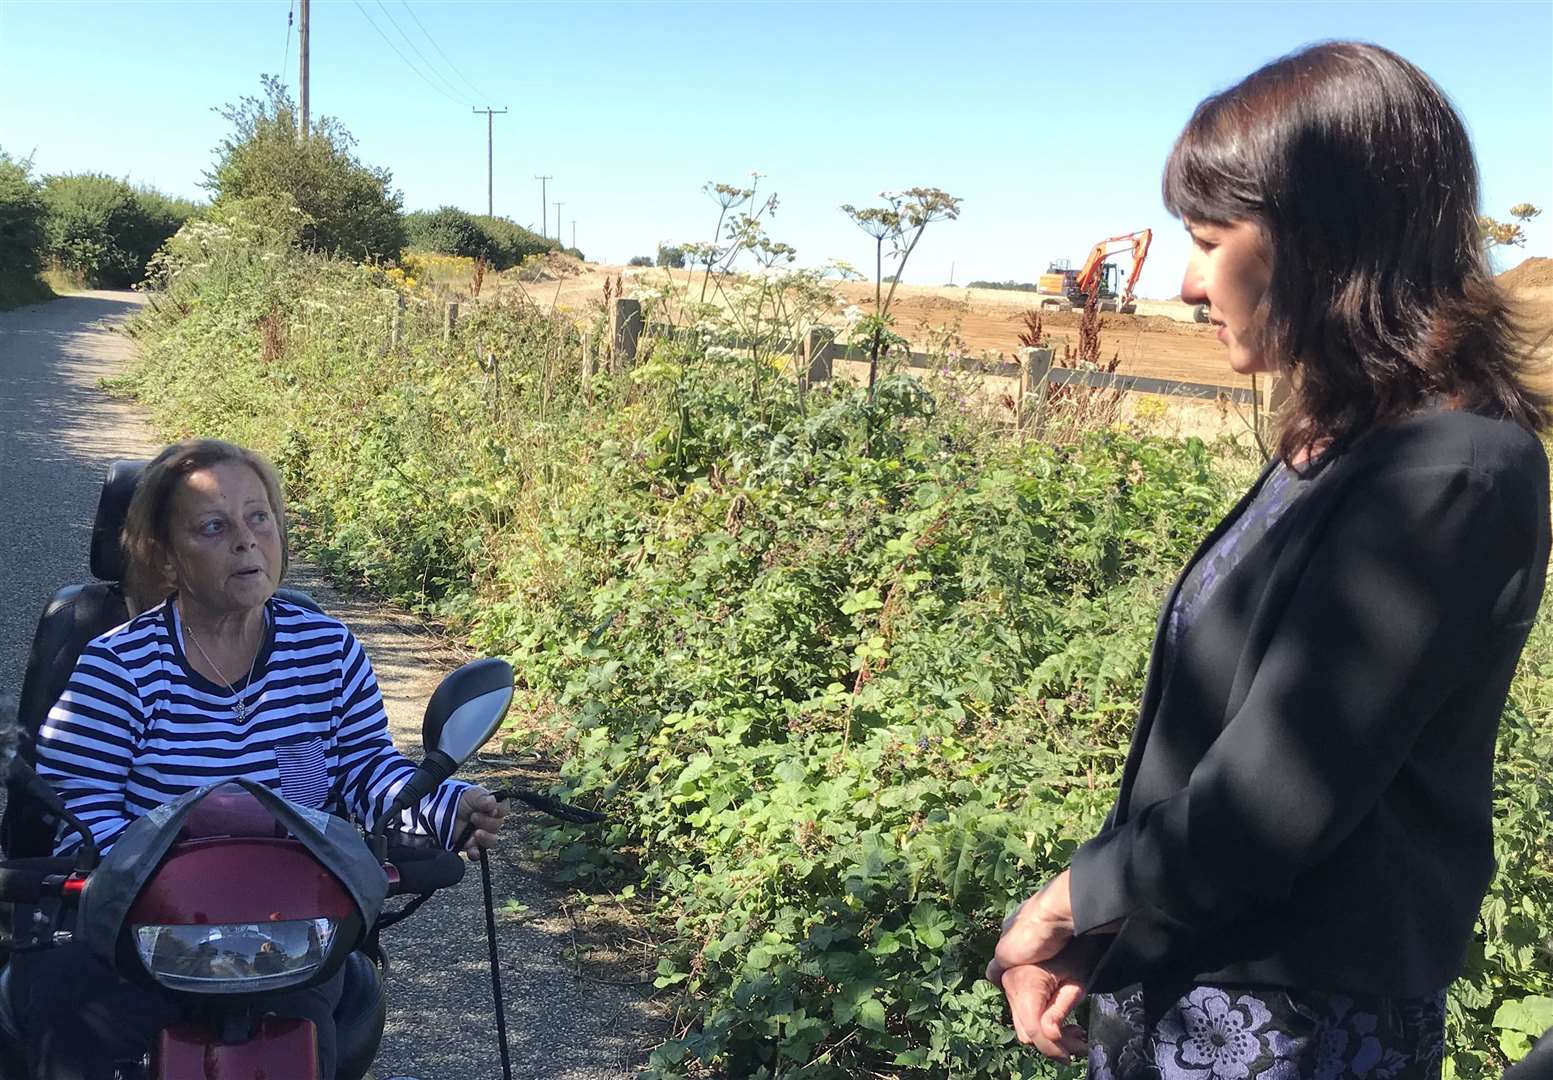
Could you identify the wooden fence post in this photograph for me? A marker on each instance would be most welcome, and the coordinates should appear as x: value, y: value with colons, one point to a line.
x: 625, y: 329
x: 396, y: 323
x: 449, y: 321
x: 819, y: 354
x: 1035, y: 367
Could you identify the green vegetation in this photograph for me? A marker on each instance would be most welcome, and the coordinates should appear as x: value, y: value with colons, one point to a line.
x: 450, y: 231
x: 1507, y: 233
x: 22, y: 216
x: 671, y: 257
x: 1015, y: 286
x: 851, y: 672
x: 345, y: 206
x: 100, y: 231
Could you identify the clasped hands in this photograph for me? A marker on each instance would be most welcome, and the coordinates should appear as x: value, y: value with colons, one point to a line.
x: 1040, y: 968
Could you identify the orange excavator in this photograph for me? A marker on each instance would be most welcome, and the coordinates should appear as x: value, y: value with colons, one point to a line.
x: 1068, y: 288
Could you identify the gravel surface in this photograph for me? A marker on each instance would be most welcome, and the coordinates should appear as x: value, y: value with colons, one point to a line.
x: 574, y: 974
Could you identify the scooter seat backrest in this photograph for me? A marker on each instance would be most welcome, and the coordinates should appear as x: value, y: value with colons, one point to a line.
x: 74, y: 616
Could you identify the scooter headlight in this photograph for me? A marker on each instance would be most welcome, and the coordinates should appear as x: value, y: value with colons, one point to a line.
x: 235, y: 958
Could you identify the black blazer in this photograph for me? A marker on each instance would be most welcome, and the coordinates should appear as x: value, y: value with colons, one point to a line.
x: 1308, y: 798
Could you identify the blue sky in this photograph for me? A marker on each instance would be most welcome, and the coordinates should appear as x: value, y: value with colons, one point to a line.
x: 1051, y: 120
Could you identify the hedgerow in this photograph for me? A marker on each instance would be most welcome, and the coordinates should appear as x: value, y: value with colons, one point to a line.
x: 850, y: 674
x: 22, y: 216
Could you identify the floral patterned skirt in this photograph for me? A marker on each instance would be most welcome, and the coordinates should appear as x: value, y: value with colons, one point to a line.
x: 1233, y: 1033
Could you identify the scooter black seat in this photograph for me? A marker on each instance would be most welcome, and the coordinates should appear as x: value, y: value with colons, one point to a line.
x: 74, y: 615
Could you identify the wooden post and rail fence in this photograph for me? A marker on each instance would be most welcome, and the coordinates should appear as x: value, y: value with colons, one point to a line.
x: 819, y: 352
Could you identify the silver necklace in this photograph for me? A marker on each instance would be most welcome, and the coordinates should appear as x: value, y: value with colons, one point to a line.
x: 237, y: 698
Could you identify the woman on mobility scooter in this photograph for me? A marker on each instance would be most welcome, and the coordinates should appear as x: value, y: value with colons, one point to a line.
x: 215, y: 677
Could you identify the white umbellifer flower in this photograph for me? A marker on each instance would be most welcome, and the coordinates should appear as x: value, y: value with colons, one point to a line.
x: 852, y: 315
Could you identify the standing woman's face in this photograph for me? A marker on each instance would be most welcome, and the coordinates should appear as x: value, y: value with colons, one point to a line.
x: 1230, y: 269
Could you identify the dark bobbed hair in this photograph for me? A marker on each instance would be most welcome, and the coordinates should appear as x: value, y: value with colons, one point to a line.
x: 147, y: 532
x: 1361, y: 177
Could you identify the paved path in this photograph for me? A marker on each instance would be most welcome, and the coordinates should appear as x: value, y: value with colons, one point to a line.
x: 57, y: 432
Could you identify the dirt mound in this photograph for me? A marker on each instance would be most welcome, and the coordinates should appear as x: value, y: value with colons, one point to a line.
x: 1151, y: 324
x: 1535, y: 273
x: 554, y: 266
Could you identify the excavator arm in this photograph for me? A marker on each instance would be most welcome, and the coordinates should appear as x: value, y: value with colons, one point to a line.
x: 1139, y: 243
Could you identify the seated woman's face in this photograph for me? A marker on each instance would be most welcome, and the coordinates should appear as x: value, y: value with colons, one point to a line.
x: 226, y: 551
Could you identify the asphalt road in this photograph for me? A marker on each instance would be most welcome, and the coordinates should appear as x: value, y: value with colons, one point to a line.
x: 575, y: 1006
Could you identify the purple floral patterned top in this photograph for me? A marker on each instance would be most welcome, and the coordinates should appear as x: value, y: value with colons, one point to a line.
x: 1237, y: 1033
x: 1280, y: 490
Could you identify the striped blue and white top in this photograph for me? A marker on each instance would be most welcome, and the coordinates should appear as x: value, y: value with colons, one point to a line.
x: 137, y: 726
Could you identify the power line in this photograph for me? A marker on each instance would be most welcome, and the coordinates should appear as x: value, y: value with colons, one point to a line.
x: 480, y: 94
x: 402, y: 56
x: 285, y: 57
x: 429, y: 67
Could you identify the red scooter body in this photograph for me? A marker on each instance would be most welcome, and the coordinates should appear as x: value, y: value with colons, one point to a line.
x: 230, y: 869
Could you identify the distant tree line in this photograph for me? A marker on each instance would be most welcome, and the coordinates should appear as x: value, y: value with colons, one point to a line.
x: 1013, y: 286
x: 96, y: 230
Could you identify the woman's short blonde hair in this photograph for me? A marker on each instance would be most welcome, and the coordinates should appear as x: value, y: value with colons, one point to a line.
x: 147, y: 529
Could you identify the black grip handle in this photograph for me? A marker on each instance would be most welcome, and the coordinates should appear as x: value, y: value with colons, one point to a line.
x: 436, y: 768
x: 424, y: 870
x: 27, y: 886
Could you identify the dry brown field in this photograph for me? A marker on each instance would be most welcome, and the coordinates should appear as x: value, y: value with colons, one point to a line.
x: 1161, y: 340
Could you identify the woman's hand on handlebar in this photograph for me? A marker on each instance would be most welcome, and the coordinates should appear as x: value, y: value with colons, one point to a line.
x: 479, y: 811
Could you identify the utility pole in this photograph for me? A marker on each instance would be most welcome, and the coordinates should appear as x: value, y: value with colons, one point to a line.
x: 490, y: 202
x: 574, y: 234
x: 558, y: 223
x: 304, y: 34
x: 544, y: 208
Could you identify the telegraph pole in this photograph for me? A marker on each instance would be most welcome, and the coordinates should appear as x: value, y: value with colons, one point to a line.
x: 304, y: 33
x: 490, y: 202
x: 574, y: 234
x: 558, y: 223
x: 544, y: 208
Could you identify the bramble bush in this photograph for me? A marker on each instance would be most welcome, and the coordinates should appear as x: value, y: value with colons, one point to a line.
x: 851, y: 674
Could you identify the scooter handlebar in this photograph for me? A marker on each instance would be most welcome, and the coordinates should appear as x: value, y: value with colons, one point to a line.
x: 28, y: 885
x: 423, y: 870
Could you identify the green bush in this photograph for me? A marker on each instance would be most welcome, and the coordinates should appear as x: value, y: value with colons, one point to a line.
x: 849, y: 677
x: 22, y: 237
x: 670, y: 257
x: 511, y: 243
x: 349, y: 207
x: 447, y: 230
x: 451, y: 231
x: 102, y: 231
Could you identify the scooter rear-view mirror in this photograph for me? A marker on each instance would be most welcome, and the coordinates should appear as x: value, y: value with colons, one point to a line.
x: 467, y: 708
x: 463, y: 713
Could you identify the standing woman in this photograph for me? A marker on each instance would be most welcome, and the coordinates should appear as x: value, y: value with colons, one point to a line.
x: 1303, y: 835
